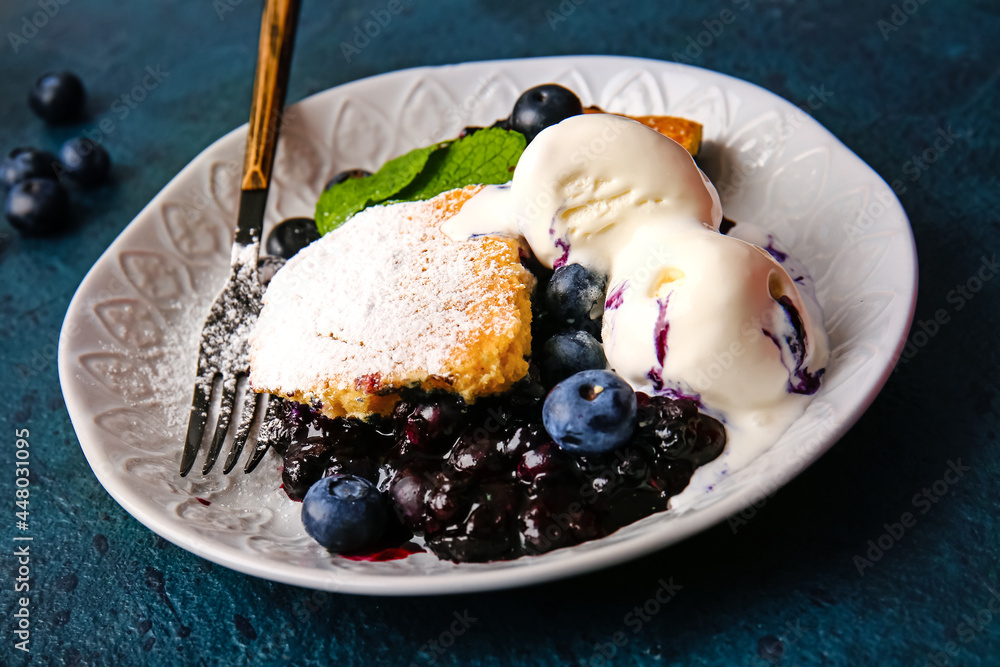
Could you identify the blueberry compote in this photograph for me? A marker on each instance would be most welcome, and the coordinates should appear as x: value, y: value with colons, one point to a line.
x: 485, y: 482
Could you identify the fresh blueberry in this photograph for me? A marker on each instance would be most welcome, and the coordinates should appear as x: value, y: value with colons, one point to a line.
x: 291, y: 236
x: 569, y: 353
x: 84, y: 161
x: 345, y: 175
x: 539, y: 107
x: 57, y: 97
x: 24, y: 163
x: 575, y: 298
x: 37, y: 206
x: 590, y: 412
x: 344, y: 513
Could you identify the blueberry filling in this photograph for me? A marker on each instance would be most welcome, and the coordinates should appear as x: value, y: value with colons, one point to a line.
x: 502, y: 488
x: 793, y: 345
x: 487, y: 481
x: 614, y: 300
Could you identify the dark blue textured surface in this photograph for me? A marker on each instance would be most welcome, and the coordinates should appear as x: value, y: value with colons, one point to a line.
x: 782, y: 589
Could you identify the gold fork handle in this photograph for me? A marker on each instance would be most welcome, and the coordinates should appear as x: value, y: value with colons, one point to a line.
x: 274, y: 55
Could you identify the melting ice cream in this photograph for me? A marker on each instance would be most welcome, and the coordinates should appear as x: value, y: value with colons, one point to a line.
x: 689, y: 311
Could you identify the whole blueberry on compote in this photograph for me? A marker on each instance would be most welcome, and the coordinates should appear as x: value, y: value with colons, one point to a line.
x: 539, y: 107
x: 677, y: 429
x: 57, y: 97
x: 345, y: 175
x: 290, y: 236
x: 344, y: 513
x: 485, y: 532
x: 545, y: 462
x: 556, y: 519
x: 428, y: 426
x: 37, y: 206
x: 84, y: 161
x: 24, y: 163
x: 408, y: 496
x: 569, y: 353
x: 590, y: 412
x: 358, y: 466
x: 305, y: 461
x: 446, y: 498
x: 477, y: 453
x: 575, y: 298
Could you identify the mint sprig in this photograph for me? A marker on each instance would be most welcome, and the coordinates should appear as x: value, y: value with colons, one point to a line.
x: 487, y: 156
x: 345, y: 199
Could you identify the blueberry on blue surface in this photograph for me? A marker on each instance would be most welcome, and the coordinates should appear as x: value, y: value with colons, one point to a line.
x: 85, y: 161
x: 290, y: 236
x: 345, y: 175
x: 569, y: 353
x: 37, y: 206
x: 575, y: 298
x: 539, y: 107
x: 344, y: 513
x: 57, y: 97
x: 24, y: 163
x: 590, y: 412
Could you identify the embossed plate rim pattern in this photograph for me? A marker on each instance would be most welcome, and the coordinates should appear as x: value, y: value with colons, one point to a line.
x: 143, y: 302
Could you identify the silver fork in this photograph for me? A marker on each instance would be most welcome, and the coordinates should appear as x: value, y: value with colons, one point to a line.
x: 223, y: 357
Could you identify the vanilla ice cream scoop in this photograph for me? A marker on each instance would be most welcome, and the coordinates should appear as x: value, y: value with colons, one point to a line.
x: 689, y: 311
x: 584, y: 186
x: 715, y: 317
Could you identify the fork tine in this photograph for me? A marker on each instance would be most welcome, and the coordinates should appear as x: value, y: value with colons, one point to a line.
x: 196, y: 423
x: 247, y: 413
x: 235, y: 310
x: 268, y: 437
x: 222, y: 426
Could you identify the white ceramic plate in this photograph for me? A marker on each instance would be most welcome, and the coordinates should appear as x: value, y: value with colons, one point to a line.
x: 128, y: 345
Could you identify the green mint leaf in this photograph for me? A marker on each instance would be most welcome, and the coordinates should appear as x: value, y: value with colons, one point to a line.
x: 345, y: 199
x: 487, y: 156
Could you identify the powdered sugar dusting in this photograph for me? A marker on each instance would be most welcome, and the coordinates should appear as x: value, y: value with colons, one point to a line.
x: 230, y: 321
x: 383, y: 300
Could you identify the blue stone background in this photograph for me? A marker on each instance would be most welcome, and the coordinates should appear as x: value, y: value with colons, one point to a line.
x: 782, y: 588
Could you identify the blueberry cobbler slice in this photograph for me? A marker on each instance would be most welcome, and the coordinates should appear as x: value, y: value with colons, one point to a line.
x: 561, y: 457
x: 508, y: 343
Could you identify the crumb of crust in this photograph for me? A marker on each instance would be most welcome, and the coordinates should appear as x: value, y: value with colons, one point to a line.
x: 387, y: 302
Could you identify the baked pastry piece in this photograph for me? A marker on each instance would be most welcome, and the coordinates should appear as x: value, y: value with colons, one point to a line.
x: 387, y: 301
x: 685, y: 132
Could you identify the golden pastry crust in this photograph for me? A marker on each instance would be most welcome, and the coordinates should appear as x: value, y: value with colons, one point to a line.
x: 465, y: 305
x: 685, y: 132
